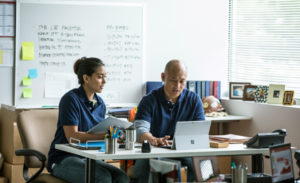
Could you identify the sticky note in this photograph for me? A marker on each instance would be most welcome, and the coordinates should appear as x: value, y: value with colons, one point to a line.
x: 1, y: 56
x: 27, y: 51
x: 32, y: 73
x: 27, y: 93
x: 26, y: 81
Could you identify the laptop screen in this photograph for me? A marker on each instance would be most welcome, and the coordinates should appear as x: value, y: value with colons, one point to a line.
x: 281, y: 163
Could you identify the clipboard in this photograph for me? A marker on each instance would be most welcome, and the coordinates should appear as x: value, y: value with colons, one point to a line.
x: 88, y: 145
x: 104, y: 125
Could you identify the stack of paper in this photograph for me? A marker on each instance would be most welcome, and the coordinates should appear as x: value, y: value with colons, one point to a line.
x: 231, y: 138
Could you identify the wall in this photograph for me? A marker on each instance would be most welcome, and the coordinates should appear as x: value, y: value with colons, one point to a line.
x: 266, y: 118
x: 194, y: 31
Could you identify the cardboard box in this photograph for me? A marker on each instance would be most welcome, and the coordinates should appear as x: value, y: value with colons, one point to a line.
x: 9, y: 136
x: 3, y: 180
x: 14, y: 173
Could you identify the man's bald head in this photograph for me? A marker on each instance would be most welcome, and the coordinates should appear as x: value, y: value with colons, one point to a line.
x: 174, y: 78
x: 175, y: 66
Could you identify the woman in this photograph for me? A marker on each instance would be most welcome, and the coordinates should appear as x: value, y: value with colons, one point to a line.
x: 79, y: 110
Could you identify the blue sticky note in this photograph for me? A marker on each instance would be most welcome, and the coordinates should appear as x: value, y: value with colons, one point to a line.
x: 32, y: 73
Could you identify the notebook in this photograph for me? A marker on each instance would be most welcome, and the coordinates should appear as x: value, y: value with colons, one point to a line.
x: 191, y: 135
x: 282, y: 163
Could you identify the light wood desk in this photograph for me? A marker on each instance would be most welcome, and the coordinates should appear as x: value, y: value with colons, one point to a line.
x: 226, y: 119
x: 233, y: 149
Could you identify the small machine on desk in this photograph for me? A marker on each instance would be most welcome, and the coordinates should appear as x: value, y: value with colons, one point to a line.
x: 262, y: 140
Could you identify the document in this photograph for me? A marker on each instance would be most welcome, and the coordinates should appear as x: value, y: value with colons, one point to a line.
x: 231, y: 138
x: 104, y: 125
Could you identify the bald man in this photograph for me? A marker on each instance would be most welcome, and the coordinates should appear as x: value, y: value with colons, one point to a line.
x: 158, y: 113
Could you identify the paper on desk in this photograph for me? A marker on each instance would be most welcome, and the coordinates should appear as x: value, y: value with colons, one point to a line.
x: 104, y: 125
x: 231, y: 138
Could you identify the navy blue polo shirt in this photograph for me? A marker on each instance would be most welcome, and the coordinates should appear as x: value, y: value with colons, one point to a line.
x: 163, y: 115
x: 75, y: 109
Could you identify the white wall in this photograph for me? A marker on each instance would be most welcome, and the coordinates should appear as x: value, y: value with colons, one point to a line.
x: 194, y: 31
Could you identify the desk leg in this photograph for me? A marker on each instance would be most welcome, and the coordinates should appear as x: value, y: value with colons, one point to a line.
x: 257, y: 163
x: 89, y: 170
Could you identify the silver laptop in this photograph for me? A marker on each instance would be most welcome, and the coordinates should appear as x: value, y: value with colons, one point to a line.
x: 191, y: 135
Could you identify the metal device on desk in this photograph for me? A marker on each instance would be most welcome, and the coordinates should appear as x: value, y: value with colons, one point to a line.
x: 130, y: 134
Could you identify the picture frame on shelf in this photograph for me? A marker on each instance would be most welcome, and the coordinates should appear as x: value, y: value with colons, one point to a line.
x: 249, y: 92
x: 288, y: 98
x: 236, y: 89
x: 275, y: 94
x: 261, y: 94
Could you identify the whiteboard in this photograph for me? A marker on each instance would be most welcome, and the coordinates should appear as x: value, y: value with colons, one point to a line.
x: 62, y: 32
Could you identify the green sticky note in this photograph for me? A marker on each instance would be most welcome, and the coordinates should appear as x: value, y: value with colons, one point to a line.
x: 26, y: 81
x: 27, y: 51
x: 27, y: 93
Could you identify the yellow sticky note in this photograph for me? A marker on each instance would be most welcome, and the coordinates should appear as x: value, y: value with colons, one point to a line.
x: 26, y: 81
x: 27, y: 93
x: 27, y: 51
x: 1, y: 56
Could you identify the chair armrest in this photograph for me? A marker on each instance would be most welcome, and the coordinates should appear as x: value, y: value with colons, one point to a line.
x: 31, y: 152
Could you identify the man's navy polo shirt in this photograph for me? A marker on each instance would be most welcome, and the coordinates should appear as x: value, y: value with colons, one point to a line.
x: 74, y: 110
x: 163, y: 115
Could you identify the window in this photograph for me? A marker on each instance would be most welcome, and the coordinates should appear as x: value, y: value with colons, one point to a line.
x: 264, y: 42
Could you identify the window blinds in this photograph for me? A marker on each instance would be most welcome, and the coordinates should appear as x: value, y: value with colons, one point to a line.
x: 264, y: 42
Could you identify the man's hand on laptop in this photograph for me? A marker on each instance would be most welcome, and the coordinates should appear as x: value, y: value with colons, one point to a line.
x: 155, y: 141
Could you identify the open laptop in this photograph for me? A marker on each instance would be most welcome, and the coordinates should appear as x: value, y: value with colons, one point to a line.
x: 282, y: 163
x: 191, y: 135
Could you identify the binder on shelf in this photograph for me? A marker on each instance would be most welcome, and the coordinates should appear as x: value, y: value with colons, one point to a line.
x: 202, y: 89
x: 206, y: 88
x: 152, y: 85
x: 216, y: 89
x: 192, y: 86
x: 219, y: 89
x: 211, y: 88
x: 198, y: 88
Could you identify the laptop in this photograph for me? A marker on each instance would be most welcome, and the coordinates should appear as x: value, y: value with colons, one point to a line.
x: 191, y: 135
x: 281, y: 163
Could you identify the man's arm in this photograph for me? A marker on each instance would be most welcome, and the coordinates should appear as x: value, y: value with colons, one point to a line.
x: 199, y: 115
x: 72, y: 131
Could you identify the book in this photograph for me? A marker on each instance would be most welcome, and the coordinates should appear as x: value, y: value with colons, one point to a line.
x: 211, y: 88
x: 219, y: 89
x: 202, y: 89
x: 152, y: 85
x: 207, y: 88
x: 216, y: 89
x: 104, y: 125
x: 192, y: 86
x: 198, y: 88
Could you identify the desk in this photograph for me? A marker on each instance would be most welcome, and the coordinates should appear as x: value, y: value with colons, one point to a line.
x: 225, y: 119
x: 233, y: 149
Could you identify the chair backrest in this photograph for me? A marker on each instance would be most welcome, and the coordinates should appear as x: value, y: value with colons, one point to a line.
x: 205, y: 167
x: 37, y: 129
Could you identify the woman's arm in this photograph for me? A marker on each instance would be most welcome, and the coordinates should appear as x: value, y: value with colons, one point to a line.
x: 72, y: 131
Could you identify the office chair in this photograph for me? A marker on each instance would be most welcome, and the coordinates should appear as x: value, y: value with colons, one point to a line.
x: 205, y: 167
x: 37, y: 129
